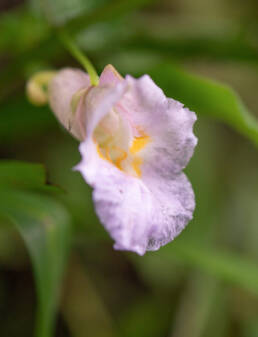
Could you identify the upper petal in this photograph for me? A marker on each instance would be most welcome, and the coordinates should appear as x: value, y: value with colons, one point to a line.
x: 61, y: 90
x: 168, y: 124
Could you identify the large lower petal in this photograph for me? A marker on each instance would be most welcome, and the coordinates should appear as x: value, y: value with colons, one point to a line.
x: 138, y: 216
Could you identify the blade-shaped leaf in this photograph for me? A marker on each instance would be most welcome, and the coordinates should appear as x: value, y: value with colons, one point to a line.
x: 207, y: 97
x: 229, y: 48
x: 44, y: 224
x: 24, y: 175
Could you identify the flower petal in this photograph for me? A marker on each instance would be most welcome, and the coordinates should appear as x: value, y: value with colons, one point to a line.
x: 110, y: 76
x: 138, y: 216
x: 141, y: 214
x: 61, y: 90
x: 117, y: 197
x: 100, y: 101
x: 165, y: 121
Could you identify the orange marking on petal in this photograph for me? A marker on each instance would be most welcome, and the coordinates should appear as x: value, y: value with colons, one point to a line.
x: 120, y: 159
x: 102, y: 156
x: 139, y: 143
x: 136, y: 164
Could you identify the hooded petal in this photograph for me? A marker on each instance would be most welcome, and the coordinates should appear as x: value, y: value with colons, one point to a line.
x: 62, y: 88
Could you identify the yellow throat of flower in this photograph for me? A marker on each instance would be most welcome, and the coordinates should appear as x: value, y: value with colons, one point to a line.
x: 127, y: 160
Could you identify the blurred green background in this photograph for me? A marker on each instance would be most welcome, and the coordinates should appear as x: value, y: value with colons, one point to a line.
x: 59, y: 275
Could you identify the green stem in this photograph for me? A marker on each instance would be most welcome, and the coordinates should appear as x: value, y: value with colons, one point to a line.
x: 80, y: 57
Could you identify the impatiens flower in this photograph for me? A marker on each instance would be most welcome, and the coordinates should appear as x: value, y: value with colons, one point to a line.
x: 135, y: 142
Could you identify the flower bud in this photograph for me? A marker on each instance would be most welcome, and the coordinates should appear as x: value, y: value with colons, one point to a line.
x: 37, y: 87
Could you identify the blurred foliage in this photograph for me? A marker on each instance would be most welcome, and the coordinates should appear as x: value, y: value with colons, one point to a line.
x: 59, y: 12
x: 44, y: 225
x: 205, y: 283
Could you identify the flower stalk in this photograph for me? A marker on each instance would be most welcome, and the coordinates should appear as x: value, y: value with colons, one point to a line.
x: 80, y: 57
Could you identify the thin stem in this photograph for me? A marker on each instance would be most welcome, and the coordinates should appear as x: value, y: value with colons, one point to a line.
x: 80, y: 57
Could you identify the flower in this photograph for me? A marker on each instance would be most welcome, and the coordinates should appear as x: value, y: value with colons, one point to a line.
x: 135, y: 142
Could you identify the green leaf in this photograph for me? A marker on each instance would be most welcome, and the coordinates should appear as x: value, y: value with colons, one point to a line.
x: 44, y: 224
x: 231, y: 47
x: 24, y: 175
x: 207, y: 97
x: 224, y: 265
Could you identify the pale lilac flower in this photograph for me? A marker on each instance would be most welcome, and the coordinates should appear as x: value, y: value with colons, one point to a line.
x: 135, y: 142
